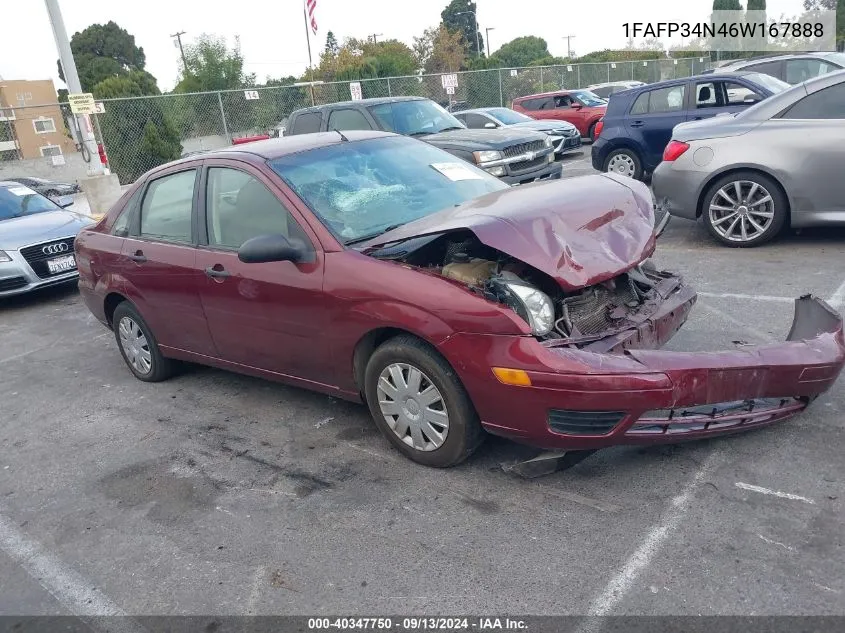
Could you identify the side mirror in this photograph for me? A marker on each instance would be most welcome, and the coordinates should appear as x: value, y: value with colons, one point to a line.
x: 576, y: 106
x: 271, y: 248
x: 64, y: 201
x: 490, y: 125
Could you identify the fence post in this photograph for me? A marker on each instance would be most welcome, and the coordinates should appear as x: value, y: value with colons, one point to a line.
x: 608, y: 72
x: 501, y: 94
x: 578, y: 75
x: 389, y: 94
x: 223, y: 118
x: 541, y: 79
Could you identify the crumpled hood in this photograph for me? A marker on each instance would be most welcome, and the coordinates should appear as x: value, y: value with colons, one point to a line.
x: 15, y: 233
x: 579, y: 231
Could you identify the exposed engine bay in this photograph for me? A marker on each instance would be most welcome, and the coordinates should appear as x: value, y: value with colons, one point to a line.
x: 574, y: 317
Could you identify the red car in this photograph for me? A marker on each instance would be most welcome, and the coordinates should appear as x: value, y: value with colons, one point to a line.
x: 580, y: 107
x: 377, y: 268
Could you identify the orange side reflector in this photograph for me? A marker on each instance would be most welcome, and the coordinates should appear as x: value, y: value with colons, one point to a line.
x: 515, y: 377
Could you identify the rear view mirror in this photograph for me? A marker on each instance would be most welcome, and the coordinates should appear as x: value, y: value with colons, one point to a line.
x: 490, y: 125
x: 271, y: 248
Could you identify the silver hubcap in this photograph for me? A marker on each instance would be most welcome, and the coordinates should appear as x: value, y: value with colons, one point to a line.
x: 135, y: 345
x: 622, y: 164
x: 742, y: 211
x: 413, y: 407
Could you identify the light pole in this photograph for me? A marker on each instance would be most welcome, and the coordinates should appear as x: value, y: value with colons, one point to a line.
x: 375, y: 36
x: 568, y: 39
x: 475, y: 17
x: 487, y: 34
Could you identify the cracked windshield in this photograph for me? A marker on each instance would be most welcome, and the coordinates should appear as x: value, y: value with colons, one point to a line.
x: 361, y: 189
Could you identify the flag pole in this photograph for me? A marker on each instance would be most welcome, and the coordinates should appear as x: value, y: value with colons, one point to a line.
x: 308, y: 39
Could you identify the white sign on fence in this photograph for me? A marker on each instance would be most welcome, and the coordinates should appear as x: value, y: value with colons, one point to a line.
x: 449, y: 81
x: 251, y: 94
x: 569, y: 69
x: 514, y: 72
x: 355, y: 91
x: 99, y: 107
x: 81, y: 103
x: 450, y: 90
x: 613, y: 65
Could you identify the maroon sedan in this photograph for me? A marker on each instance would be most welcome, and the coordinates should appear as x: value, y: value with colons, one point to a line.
x: 377, y: 268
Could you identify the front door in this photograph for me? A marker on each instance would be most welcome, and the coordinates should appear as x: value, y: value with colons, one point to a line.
x: 270, y: 316
x: 157, y: 262
x: 716, y: 97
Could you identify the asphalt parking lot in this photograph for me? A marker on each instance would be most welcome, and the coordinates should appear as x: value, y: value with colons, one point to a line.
x: 214, y: 493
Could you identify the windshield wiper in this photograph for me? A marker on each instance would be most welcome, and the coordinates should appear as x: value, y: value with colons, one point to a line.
x: 452, y: 127
x: 365, y: 238
x: 420, y: 133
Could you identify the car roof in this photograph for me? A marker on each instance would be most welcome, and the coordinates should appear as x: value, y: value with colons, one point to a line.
x: 272, y: 148
x: 486, y: 109
x: 359, y: 102
x: 565, y: 91
x: 772, y: 58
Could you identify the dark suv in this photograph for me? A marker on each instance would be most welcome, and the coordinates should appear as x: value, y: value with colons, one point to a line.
x: 515, y: 156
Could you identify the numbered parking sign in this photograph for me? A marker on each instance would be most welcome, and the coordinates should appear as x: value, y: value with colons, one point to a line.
x: 251, y: 94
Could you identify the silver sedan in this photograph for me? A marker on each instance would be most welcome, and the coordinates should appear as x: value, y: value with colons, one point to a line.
x: 776, y: 164
x: 36, y: 240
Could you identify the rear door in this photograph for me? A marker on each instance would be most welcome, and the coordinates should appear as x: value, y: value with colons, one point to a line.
x: 538, y: 107
x: 271, y: 316
x: 653, y: 116
x: 158, y: 259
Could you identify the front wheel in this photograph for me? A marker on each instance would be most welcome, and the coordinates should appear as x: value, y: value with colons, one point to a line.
x: 624, y: 162
x: 419, y: 403
x: 592, y: 133
x: 744, y: 209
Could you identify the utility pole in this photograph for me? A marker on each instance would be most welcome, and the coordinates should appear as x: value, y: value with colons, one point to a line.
x: 487, y: 33
x: 568, y: 39
x: 374, y: 36
x: 86, y: 132
x: 178, y: 37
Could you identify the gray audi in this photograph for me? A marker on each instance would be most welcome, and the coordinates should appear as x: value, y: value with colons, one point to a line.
x: 36, y: 239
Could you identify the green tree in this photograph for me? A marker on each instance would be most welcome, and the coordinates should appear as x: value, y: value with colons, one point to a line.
x: 440, y: 50
x: 102, y: 51
x: 459, y: 15
x: 138, y: 133
x: 331, y: 44
x: 727, y: 5
x: 522, y: 51
x: 211, y: 65
x: 756, y: 5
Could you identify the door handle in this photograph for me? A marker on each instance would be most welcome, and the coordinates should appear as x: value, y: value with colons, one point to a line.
x: 217, y: 273
x: 637, y: 123
x: 138, y: 257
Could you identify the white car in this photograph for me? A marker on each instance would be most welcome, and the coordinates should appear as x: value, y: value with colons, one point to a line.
x: 605, y: 90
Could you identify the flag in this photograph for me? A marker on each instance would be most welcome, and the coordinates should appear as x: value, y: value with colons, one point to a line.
x: 310, y: 9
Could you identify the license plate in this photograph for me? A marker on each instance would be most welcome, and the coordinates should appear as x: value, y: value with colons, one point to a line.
x: 61, y: 264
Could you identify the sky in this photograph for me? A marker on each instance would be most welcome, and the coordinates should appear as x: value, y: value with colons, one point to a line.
x: 272, y: 32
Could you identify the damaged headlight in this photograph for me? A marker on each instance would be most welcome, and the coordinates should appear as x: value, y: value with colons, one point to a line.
x: 534, y: 306
x: 548, y: 142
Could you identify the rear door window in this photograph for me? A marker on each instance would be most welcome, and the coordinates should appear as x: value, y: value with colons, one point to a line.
x: 800, y: 70
x: 541, y: 103
x: 167, y: 208
x: 828, y: 103
x: 475, y: 121
x: 307, y: 123
x: 767, y: 68
x: 670, y: 99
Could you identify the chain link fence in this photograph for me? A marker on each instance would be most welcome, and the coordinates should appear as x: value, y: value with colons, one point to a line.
x: 140, y: 133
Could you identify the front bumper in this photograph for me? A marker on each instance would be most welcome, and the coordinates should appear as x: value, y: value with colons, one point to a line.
x: 17, y: 277
x: 566, y: 144
x: 551, y: 171
x: 593, y: 396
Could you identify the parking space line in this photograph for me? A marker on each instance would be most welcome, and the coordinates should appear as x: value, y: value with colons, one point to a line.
x: 774, y: 493
x: 735, y: 295
x: 837, y: 299
x: 737, y: 322
x: 63, y: 583
x: 616, y: 589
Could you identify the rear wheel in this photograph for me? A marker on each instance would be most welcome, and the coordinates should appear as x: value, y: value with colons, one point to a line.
x: 624, y: 162
x: 745, y: 209
x: 138, y: 346
x: 592, y: 132
x: 419, y: 403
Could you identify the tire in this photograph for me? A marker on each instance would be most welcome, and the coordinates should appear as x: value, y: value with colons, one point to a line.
x: 591, y: 133
x: 462, y: 435
x: 762, y: 204
x: 160, y: 368
x: 624, y: 162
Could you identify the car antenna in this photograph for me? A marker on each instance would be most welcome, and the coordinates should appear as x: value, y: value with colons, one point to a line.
x: 342, y: 137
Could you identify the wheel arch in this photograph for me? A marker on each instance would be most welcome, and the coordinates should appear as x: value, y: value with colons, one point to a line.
x: 110, y: 303
x: 368, y: 344
x: 733, y: 169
